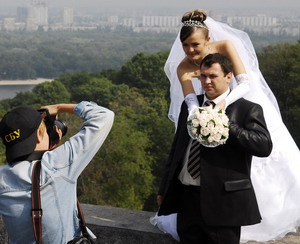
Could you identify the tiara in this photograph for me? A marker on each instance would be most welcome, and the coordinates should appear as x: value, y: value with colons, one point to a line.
x: 194, y: 23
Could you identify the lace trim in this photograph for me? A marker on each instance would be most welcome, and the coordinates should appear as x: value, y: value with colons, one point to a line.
x: 241, y: 78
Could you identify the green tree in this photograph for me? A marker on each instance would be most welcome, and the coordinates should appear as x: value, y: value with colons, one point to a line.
x: 145, y: 72
x: 124, y: 163
x: 99, y: 90
x: 51, y: 93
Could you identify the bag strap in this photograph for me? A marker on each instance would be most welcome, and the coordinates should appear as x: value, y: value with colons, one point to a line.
x: 81, y: 220
x: 36, y: 210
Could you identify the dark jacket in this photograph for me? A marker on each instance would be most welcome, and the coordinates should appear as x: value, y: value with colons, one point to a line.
x: 227, y: 194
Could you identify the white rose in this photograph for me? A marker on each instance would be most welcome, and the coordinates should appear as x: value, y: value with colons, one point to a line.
x: 210, y: 116
x: 218, y: 121
x: 217, y: 137
x: 210, y: 139
x: 195, y: 122
x: 204, y: 131
x: 225, y: 119
x: 219, y: 128
x: 205, y: 111
x: 197, y: 114
x: 225, y: 132
x: 203, y: 122
x: 194, y: 131
x: 210, y: 125
x: 201, y: 116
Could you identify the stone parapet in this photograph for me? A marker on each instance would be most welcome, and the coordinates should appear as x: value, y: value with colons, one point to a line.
x: 122, y: 226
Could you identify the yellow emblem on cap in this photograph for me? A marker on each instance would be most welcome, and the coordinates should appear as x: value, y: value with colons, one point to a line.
x: 13, y: 135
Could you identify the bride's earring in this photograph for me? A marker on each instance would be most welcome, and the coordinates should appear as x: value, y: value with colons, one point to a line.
x: 208, y: 47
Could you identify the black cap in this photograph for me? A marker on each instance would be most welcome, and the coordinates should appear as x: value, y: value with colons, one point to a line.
x: 18, y: 132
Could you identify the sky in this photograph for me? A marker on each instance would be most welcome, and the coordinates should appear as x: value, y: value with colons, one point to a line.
x: 165, y: 5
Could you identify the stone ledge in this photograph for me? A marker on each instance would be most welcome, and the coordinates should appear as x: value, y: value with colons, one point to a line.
x: 117, y: 226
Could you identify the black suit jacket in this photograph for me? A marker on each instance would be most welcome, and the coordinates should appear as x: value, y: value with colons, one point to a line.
x: 227, y: 194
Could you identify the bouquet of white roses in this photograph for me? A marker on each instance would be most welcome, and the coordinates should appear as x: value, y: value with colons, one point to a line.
x: 209, y: 125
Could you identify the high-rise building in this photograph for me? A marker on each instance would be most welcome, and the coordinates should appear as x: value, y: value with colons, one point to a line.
x: 39, y: 11
x: 22, y: 14
x: 31, y: 24
x: 68, y: 16
x: 129, y: 22
x: 252, y: 21
x: 160, y: 21
x: 113, y: 20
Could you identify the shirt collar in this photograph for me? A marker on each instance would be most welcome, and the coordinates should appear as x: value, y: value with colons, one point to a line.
x: 219, y: 98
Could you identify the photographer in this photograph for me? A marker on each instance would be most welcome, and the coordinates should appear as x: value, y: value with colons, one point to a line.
x: 25, y: 133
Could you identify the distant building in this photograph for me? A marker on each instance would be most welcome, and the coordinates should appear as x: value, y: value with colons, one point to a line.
x: 129, y: 22
x: 22, y: 14
x: 159, y: 24
x: 31, y: 24
x: 114, y: 20
x: 68, y: 16
x: 9, y: 24
x: 39, y: 11
x: 258, y: 24
x: 160, y: 21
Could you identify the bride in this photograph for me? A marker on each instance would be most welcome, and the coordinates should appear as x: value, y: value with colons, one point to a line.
x: 276, y: 178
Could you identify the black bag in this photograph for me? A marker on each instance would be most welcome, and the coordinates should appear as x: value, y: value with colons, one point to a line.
x: 82, y: 240
x: 37, y: 212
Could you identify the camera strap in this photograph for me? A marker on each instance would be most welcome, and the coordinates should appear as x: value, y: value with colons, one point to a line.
x: 36, y: 209
x: 37, y: 212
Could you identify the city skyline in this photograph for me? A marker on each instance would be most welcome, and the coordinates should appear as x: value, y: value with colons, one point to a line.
x: 164, y: 6
x: 37, y: 14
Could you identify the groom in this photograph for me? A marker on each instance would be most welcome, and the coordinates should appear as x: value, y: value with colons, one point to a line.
x: 213, y: 204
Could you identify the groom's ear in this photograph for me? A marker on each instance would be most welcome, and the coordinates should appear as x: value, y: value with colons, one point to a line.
x: 229, y: 77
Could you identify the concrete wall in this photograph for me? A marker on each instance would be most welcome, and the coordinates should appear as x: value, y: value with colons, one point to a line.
x: 117, y: 226
x: 123, y: 226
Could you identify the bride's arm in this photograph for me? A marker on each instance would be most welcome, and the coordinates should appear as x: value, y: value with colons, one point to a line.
x: 228, y: 49
x: 185, y: 77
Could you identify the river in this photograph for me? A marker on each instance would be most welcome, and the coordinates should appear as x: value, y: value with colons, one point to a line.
x: 9, y: 89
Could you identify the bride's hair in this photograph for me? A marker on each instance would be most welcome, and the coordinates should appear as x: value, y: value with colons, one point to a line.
x: 192, y: 21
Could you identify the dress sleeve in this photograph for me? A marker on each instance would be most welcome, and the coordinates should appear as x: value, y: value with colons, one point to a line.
x: 243, y: 87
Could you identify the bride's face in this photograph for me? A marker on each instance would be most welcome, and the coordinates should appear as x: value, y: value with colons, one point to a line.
x: 195, y: 46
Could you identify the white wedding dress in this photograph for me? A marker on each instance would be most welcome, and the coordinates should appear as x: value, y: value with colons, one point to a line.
x: 276, y: 179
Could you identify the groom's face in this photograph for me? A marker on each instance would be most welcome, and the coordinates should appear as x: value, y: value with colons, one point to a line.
x: 213, y: 80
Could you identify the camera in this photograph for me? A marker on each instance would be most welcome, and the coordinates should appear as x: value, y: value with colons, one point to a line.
x: 51, y: 121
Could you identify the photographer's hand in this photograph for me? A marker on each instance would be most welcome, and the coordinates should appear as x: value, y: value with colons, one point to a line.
x: 59, y: 132
x: 60, y: 108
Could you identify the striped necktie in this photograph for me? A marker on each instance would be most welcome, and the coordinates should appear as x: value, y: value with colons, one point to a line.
x: 209, y: 102
x: 193, y: 165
